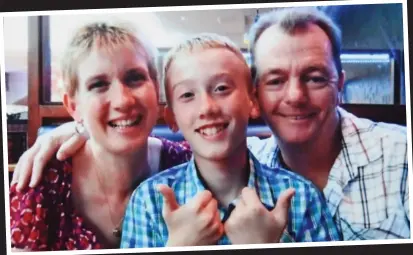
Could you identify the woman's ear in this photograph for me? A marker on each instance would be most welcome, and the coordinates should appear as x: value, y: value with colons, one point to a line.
x: 70, y: 106
x: 170, y: 119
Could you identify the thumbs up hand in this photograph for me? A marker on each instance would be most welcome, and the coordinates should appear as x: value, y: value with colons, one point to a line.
x: 195, y: 223
x: 251, y: 223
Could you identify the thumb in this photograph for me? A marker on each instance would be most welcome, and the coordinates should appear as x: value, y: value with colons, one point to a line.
x: 169, y: 199
x: 283, y: 204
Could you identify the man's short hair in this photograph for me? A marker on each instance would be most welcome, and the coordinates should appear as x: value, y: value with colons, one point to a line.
x: 290, y: 19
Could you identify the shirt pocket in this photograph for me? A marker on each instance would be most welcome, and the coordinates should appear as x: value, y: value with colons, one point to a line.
x: 395, y: 226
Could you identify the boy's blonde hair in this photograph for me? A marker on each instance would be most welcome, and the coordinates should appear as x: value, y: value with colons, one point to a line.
x: 106, y: 36
x: 198, y: 42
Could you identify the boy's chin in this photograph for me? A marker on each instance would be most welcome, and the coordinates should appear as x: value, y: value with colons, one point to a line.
x: 213, y: 154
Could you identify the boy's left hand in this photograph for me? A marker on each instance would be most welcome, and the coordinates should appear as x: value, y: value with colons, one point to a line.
x: 251, y: 223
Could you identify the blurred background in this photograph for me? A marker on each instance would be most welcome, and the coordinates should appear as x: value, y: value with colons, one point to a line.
x: 372, y: 58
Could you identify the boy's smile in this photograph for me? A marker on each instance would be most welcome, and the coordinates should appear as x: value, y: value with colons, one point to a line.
x: 213, y: 131
x: 211, y: 102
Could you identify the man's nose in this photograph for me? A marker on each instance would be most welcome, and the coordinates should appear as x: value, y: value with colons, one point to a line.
x: 295, y: 92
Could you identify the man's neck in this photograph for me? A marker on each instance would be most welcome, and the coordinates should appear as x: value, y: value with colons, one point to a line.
x: 315, y: 158
x: 226, y: 177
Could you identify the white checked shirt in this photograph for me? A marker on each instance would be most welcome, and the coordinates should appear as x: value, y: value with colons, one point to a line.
x: 367, y: 190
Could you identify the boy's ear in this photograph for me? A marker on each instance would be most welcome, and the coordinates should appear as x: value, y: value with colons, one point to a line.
x: 71, y: 107
x: 255, y: 109
x: 170, y: 119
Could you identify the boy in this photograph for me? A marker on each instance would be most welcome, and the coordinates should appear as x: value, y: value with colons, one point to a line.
x: 222, y: 195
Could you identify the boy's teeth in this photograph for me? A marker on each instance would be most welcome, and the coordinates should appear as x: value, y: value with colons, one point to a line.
x: 211, y: 131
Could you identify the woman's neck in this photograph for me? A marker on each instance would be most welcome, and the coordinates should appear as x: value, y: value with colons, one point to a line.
x: 116, y: 174
x: 226, y: 177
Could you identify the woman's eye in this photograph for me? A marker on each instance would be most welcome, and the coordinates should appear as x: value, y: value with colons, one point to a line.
x: 134, y: 77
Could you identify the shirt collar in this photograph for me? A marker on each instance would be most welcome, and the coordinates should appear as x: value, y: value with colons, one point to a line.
x: 357, y: 139
x: 258, y: 180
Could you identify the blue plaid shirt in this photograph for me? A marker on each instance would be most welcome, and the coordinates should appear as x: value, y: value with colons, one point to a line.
x: 367, y: 191
x: 309, y: 218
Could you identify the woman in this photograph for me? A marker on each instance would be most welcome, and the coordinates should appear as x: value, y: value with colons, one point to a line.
x: 110, y: 89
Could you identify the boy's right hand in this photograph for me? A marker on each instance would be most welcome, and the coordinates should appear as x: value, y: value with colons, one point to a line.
x: 195, y: 223
x: 63, y: 139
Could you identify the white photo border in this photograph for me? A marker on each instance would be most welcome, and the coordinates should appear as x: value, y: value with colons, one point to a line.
x: 193, y: 8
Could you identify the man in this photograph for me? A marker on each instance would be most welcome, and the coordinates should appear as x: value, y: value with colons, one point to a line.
x: 360, y: 165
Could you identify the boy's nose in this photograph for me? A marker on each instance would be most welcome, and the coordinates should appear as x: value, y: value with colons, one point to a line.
x: 208, y: 107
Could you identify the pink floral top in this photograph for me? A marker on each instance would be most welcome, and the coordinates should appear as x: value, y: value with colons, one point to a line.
x: 44, y: 218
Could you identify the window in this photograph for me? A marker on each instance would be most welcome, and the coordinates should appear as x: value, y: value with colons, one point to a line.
x: 50, y: 34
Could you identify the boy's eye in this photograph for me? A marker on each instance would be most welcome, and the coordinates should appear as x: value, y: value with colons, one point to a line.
x: 186, y: 95
x: 98, y: 85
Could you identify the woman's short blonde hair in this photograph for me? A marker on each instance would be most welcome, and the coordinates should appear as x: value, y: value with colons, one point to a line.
x: 200, y: 41
x: 106, y: 36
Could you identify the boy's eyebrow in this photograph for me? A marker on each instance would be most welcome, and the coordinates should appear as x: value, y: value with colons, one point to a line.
x: 181, y: 83
x: 96, y: 77
x: 220, y: 76
x: 217, y: 77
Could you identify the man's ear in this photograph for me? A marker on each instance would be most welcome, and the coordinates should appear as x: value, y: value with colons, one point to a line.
x: 340, y: 86
x: 71, y: 107
x: 170, y: 119
x: 341, y: 80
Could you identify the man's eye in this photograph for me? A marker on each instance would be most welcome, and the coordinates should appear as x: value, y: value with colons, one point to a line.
x: 316, y: 80
x: 275, y: 82
x: 221, y: 88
